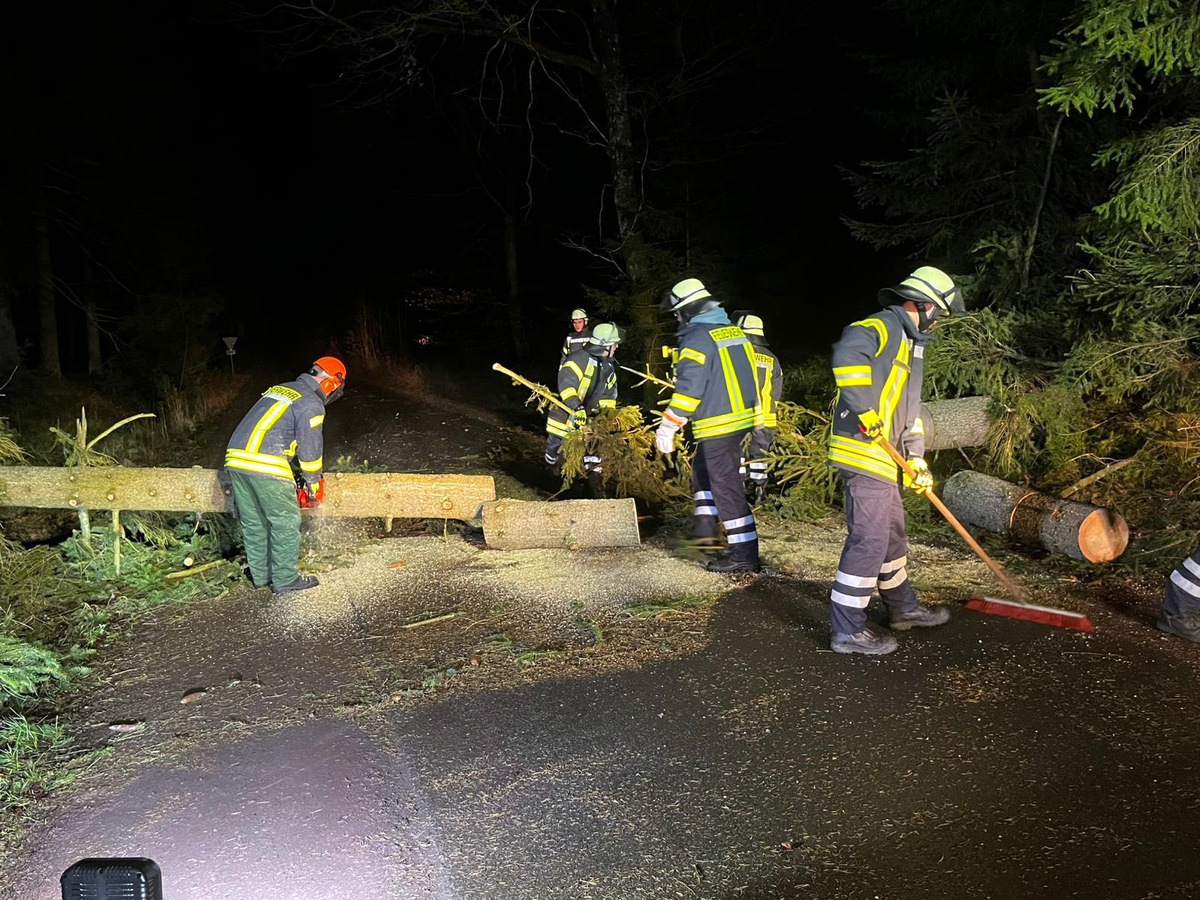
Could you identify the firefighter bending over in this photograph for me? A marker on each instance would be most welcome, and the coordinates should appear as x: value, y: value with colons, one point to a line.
x: 283, y: 427
x: 587, y: 382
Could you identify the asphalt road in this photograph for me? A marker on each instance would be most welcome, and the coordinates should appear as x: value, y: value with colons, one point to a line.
x: 988, y: 758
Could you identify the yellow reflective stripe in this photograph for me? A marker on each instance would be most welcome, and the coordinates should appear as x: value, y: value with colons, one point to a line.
x: 569, y: 393
x: 860, y: 455
x: 571, y: 365
x: 608, y: 404
x: 684, y: 402
x: 728, y: 333
x: 768, y: 385
x: 893, y: 388
x: 316, y: 420
x: 881, y: 328
x: 314, y: 466
x: 270, y: 417
x: 258, y: 462
x: 694, y: 355
x: 257, y: 457
x: 585, y: 383
x: 718, y: 425
x: 556, y: 427
x: 731, y: 380
x: 852, y: 376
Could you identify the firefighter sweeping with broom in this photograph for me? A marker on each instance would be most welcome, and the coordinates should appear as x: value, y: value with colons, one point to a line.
x: 878, y: 365
x: 285, y: 424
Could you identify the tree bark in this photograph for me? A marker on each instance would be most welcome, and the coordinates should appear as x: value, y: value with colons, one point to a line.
x: 350, y: 494
x: 95, y: 360
x: 516, y: 325
x: 1078, y: 530
x: 47, y: 297
x: 950, y: 424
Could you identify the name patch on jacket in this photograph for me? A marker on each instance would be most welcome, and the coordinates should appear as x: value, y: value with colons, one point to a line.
x: 279, y: 392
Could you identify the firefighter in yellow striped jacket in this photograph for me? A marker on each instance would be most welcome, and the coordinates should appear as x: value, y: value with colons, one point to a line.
x: 715, y: 389
x: 770, y: 389
x: 878, y: 365
x: 587, y: 381
x: 283, y: 428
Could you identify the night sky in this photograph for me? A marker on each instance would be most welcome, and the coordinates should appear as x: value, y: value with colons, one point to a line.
x: 191, y: 159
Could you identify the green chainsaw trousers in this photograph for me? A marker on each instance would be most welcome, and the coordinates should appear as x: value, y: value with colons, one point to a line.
x: 270, y: 517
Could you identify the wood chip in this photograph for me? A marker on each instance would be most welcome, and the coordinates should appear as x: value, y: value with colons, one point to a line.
x: 397, y: 564
x: 126, y: 727
x: 193, y: 695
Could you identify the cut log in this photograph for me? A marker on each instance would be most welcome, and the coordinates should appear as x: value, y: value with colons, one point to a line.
x: 350, y: 494
x: 1079, y: 530
x: 569, y: 524
x: 956, y: 423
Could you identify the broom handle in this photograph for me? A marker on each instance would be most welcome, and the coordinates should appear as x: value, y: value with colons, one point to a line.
x: 1012, y: 587
x: 536, y: 388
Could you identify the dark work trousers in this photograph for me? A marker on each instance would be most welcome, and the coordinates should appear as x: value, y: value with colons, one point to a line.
x: 875, y: 554
x: 1182, y: 597
x: 270, y: 517
x: 757, y: 449
x: 720, y: 496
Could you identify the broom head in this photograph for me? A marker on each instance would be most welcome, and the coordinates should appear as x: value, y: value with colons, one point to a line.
x: 1045, y: 615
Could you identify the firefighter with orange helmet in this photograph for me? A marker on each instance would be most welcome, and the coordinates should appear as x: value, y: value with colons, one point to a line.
x: 283, y: 429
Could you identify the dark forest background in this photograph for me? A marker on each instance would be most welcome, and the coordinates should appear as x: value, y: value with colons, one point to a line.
x: 303, y: 176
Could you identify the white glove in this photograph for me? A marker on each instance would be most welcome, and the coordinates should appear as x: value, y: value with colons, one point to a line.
x: 664, y: 437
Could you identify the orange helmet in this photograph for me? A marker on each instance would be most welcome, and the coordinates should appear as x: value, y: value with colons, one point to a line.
x: 330, y: 373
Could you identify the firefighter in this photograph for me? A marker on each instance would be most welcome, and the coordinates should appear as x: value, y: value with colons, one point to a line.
x: 715, y: 389
x: 1180, y: 612
x: 878, y: 364
x: 282, y: 428
x: 587, y: 381
x: 578, y: 336
x: 770, y: 389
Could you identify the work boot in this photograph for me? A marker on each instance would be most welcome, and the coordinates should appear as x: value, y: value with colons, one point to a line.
x: 922, y: 617
x: 1186, y: 627
x: 868, y: 642
x: 729, y: 566
x: 303, y: 583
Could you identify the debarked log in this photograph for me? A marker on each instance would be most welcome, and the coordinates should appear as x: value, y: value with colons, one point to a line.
x: 1079, y: 530
x: 349, y: 494
x: 566, y: 524
x: 956, y: 423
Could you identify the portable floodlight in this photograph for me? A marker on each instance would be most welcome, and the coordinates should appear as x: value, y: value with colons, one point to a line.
x: 113, y: 879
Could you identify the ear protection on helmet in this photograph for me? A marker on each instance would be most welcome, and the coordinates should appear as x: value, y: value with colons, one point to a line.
x: 331, y: 376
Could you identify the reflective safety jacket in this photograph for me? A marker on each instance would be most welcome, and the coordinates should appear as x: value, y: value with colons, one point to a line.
x: 585, y: 381
x: 715, y: 383
x: 769, y: 375
x: 878, y: 364
x: 286, y: 423
x: 575, y: 340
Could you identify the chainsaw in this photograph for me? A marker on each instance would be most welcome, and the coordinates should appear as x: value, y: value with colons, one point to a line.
x: 310, y: 497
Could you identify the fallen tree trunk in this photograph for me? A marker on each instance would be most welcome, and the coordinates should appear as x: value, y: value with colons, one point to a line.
x: 569, y: 524
x: 956, y: 423
x: 1079, y: 530
x: 385, y: 495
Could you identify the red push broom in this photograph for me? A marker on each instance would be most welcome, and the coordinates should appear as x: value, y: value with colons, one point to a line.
x: 1018, y: 608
